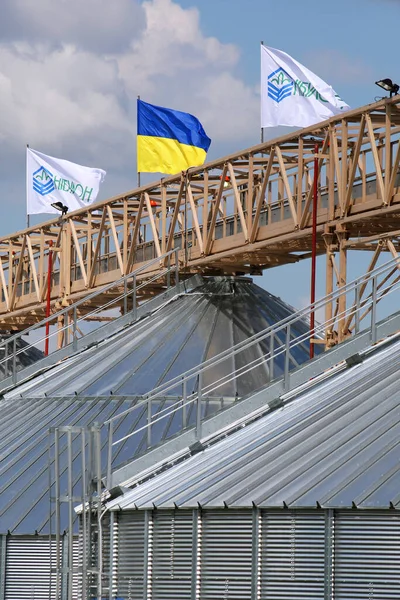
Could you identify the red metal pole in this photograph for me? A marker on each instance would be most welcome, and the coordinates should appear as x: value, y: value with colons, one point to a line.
x: 49, y: 274
x: 314, y: 249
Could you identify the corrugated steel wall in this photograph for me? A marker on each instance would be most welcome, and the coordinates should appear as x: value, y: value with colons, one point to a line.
x: 367, y: 555
x: 132, y: 559
x: 255, y: 555
x: 27, y: 568
x: 172, y: 559
x: 225, y: 554
x: 292, y: 554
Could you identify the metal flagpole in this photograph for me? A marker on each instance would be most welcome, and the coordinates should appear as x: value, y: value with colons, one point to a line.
x: 262, y: 128
x: 137, y: 130
x: 27, y: 216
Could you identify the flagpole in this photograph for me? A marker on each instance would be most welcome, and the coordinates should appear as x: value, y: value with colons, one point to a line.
x: 27, y: 215
x: 262, y: 128
x: 137, y: 129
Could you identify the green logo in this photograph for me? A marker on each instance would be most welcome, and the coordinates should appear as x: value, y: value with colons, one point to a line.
x: 66, y: 185
x: 280, y: 79
x: 302, y: 88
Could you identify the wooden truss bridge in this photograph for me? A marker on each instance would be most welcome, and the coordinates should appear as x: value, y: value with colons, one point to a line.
x: 244, y: 213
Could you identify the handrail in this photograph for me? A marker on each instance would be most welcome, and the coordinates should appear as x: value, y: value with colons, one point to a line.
x: 192, y: 398
x: 84, y: 317
x: 276, y: 327
x: 359, y: 309
x: 72, y: 309
x: 92, y: 295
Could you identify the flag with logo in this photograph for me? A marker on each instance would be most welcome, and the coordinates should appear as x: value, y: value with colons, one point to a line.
x: 61, y: 182
x: 168, y: 141
x: 293, y: 95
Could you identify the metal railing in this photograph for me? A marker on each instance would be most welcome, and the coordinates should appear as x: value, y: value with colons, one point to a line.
x: 127, y: 291
x: 275, y: 350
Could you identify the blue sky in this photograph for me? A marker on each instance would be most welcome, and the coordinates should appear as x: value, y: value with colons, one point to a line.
x: 344, y: 41
x: 71, y: 91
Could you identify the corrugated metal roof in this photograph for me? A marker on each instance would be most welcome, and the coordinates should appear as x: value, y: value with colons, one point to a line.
x: 183, y: 333
x: 24, y: 457
x: 336, y: 445
x: 194, y: 327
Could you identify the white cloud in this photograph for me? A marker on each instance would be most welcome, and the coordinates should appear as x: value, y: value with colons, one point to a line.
x: 231, y: 108
x: 70, y: 72
x: 51, y: 97
x: 173, y: 45
x: 96, y: 25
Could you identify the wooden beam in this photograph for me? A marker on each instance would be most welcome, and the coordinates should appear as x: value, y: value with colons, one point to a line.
x: 116, y: 241
x: 33, y: 268
x: 211, y: 230
x: 152, y: 224
x: 79, y: 253
x: 97, y: 248
x: 261, y: 197
x: 195, y: 218
x: 18, y: 274
x: 237, y: 201
x: 287, y: 186
x: 356, y: 155
x: 322, y: 157
x: 4, y: 286
x: 379, y: 177
x: 395, y: 168
x: 135, y: 235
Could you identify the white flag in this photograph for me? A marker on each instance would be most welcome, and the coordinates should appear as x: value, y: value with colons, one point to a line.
x: 293, y: 95
x: 53, y: 180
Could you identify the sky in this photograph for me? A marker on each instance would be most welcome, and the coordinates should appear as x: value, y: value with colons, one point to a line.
x: 71, y: 70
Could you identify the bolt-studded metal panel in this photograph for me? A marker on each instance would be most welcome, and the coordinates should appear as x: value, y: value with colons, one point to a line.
x: 172, y: 555
x: 292, y: 555
x: 367, y: 550
x: 131, y: 556
x: 226, y: 555
x: 258, y: 555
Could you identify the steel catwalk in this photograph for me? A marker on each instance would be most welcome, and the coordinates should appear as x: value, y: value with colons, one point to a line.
x: 185, y: 332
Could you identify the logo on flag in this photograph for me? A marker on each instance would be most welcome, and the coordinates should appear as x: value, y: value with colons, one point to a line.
x: 280, y: 85
x: 42, y: 181
x: 293, y: 95
x: 54, y: 180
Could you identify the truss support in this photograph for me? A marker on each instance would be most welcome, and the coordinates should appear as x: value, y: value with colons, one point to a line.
x: 247, y: 211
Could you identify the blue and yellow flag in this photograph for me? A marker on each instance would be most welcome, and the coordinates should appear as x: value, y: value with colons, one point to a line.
x: 168, y: 141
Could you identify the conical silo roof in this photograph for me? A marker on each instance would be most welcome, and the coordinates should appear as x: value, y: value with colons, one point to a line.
x: 25, y: 354
x: 186, y: 331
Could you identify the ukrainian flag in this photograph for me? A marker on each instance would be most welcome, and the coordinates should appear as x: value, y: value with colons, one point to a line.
x: 168, y: 141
